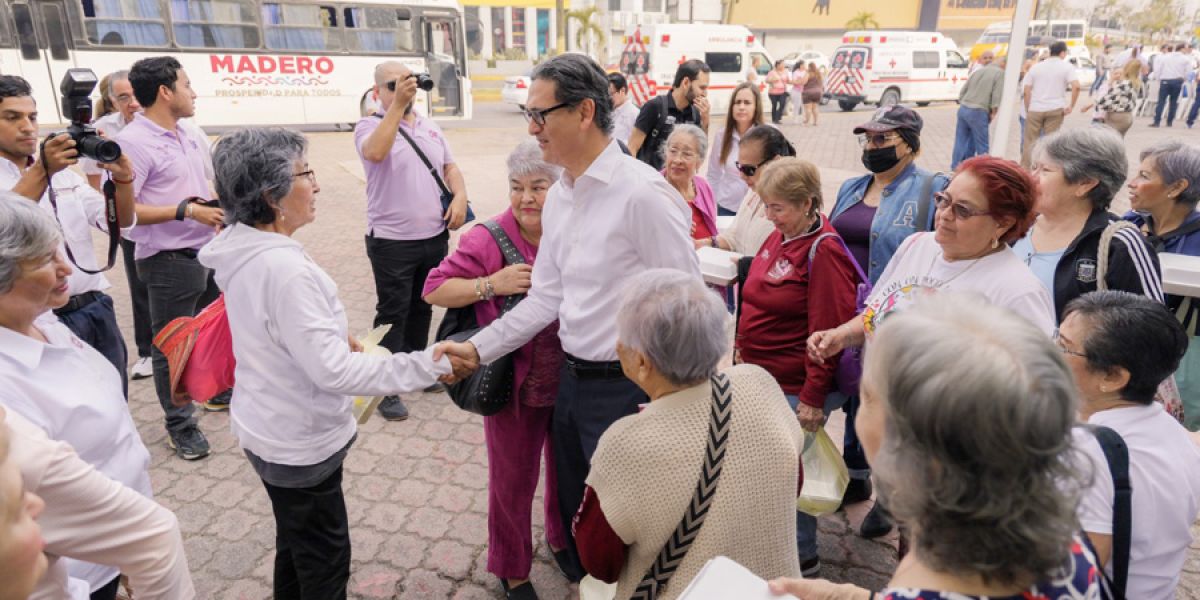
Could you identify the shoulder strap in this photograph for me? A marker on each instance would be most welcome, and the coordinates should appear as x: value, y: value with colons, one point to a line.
x: 432, y: 171
x: 924, y: 202
x: 677, y: 546
x: 812, y: 253
x: 1103, y: 250
x: 512, y: 256
x: 1117, y: 455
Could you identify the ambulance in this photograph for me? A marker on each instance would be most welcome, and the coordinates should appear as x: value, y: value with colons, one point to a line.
x: 890, y: 67
x: 653, y: 52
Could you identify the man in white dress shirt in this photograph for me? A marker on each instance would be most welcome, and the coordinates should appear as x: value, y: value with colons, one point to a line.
x: 1171, y: 70
x: 89, y: 313
x: 609, y: 218
x: 625, y: 112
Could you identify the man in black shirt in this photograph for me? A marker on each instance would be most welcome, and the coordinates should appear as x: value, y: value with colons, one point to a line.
x: 687, y: 103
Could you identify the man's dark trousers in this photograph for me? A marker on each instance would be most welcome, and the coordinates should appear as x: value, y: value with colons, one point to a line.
x: 400, y: 268
x: 1168, y: 90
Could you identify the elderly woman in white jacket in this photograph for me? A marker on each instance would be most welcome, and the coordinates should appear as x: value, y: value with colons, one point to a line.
x: 296, y: 364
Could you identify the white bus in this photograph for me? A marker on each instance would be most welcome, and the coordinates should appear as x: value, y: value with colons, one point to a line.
x: 251, y: 62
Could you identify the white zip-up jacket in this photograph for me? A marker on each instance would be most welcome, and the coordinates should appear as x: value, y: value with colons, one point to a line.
x: 295, y: 372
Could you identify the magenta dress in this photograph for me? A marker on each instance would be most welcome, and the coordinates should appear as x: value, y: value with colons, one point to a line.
x: 518, y: 436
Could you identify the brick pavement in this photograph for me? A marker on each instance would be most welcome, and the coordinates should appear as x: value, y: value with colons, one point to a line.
x: 416, y: 490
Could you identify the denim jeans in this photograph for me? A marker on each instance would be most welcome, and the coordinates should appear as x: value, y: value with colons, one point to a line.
x: 1168, y: 91
x: 1191, y: 117
x: 806, y: 524
x: 96, y: 325
x: 177, y: 285
x: 971, y: 135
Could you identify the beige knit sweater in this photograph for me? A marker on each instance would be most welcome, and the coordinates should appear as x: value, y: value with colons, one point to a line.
x: 645, y: 469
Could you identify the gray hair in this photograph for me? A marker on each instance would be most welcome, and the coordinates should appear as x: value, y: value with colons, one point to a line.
x: 676, y: 322
x: 1177, y: 161
x: 113, y: 78
x: 27, y: 232
x: 977, y: 453
x: 1089, y: 153
x: 526, y: 159
x: 254, y: 169
x: 578, y: 78
x: 687, y: 129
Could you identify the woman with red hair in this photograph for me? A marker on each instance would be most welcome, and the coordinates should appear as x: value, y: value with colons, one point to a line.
x: 987, y: 206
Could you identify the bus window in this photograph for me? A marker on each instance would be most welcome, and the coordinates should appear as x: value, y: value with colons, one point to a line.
x: 117, y: 23
x: 379, y: 29
x: 1058, y: 31
x: 300, y: 27
x: 6, y: 35
x: 1075, y: 31
x: 214, y: 23
x: 25, y: 32
x: 724, y: 62
x: 56, y: 30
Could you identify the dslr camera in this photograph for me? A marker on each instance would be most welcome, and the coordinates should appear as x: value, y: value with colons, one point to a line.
x: 76, y: 88
x: 424, y: 82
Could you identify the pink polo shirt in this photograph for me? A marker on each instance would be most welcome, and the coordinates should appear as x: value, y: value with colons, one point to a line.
x: 403, y: 200
x: 168, y: 166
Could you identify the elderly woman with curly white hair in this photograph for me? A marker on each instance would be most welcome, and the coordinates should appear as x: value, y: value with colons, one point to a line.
x: 966, y: 418
x: 296, y: 363
x: 703, y: 428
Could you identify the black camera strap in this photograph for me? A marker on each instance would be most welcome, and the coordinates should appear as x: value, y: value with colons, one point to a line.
x: 110, y: 217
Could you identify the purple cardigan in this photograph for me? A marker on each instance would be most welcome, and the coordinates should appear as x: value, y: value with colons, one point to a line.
x: 478, y: 255
x: 705, y: 201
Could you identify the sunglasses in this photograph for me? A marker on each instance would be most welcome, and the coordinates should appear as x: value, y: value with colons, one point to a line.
x: 961, y: 211
x: 748, y: 170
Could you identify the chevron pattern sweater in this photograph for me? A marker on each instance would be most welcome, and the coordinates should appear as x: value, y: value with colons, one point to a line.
x: 646, y: 467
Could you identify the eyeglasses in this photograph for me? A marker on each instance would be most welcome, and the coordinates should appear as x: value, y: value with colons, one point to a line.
x: 748, y: 170
x: 962, y: 211
x: 124, y: 98
x: 310, y: 174
x: 687, y: 155
x: 1062, y: 347
x: 878, y: 139
x: 537, y: 116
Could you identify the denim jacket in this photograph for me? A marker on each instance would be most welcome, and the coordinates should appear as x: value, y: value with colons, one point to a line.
x: 896, y: 217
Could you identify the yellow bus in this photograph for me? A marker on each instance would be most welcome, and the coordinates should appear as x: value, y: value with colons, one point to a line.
x: 1072, y: 31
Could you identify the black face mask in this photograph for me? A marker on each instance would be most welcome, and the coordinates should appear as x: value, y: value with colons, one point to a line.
x: 878, y: 160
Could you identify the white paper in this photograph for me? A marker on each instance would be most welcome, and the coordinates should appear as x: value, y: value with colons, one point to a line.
x: 723, y: 578
x: 719, y: 267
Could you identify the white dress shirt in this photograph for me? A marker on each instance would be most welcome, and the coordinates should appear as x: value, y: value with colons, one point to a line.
x: 80, y: 207
x: 618, y: 219
x: 1173, y: 65
x: 623, y: 119
x: 69, y: 390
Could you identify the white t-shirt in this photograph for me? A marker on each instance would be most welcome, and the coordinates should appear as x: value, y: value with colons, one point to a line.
x: 623, y: 118
x: 1049, y: 81
x: 1164, y: 472
x: 919, y: 269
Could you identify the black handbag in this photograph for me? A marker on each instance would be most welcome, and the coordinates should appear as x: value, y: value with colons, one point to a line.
x: 489, y: 389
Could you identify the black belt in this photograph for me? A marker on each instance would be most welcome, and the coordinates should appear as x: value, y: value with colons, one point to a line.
x: 77, y: 302
x: 590, y: 369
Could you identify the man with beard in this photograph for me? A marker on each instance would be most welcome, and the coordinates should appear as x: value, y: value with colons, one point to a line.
x: 687, y: 103
x: 407, y: 228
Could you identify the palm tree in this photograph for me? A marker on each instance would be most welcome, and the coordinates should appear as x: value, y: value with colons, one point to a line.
x: 863, y: 20
x: 588, y: 27
x: 560, y: 27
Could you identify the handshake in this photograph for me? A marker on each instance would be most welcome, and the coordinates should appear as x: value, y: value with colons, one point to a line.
x: 464, y: 360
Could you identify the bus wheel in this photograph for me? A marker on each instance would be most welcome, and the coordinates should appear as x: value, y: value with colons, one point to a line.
x: 922, y: 104
x: 891, y: 97
x: 847, y: 105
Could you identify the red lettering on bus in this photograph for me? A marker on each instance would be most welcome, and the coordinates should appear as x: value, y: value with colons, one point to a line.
x: 245, y: 65
x: 287, y: 65
x: 304, y: 65
x: 290, y: 65
x: 219, y: 62
x: 266, y: 64
x: 324, y: 65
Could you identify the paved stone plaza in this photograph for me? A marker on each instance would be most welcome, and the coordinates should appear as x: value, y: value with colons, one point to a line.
x: 416, y: 490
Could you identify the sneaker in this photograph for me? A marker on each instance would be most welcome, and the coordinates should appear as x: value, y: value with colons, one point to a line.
x: 188, y: 444
x: 524, y: 591
x: 859, y: 490
x: 219, y: 403
x: 878, y: 523
x: 393, y: 409
x: 1154, y: 124
x: 142, y: 369
x: 811, y: 568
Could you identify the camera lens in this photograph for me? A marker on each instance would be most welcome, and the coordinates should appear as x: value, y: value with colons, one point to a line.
x: 424, y: 81
x: 94, y: 146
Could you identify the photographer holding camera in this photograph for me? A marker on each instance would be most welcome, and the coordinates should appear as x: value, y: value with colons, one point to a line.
x: 407, y: 226
x: 175, y: 219
x: 89, y: 313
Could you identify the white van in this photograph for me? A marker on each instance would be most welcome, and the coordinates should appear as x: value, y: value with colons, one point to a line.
x: 889, y: 67
x: 653, y: 52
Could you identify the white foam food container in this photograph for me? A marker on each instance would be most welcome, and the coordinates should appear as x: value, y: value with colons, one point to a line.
x: 1181, y: 274
x: 718, y: 266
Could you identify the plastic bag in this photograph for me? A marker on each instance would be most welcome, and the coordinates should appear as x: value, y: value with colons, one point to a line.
x: 364, y: 406
x: 825, y: 475
x: 199, y: 353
